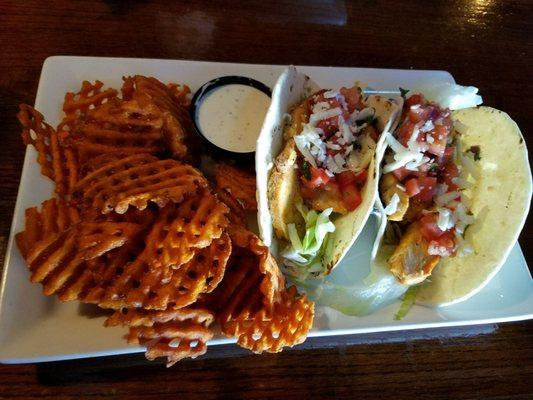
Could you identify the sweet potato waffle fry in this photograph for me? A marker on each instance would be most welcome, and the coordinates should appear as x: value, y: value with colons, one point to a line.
x: 285, y: 326
x: 236, y: 214
x: 185, y: 227
x: 117, y: 127
x: 262, y: 320
x: 145, y: 235
x: 172, y: 102
x: 89, y: 97
x: 239, y: 184
x: 138, y: 284
x: 136, y: 180
x: 57, y: 244
x: 173, y: 333
x: 55, y: 217
x: 57, y: 162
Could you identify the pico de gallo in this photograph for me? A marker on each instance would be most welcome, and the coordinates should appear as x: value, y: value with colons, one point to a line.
x: 336, y: 146
x: 424, y: 177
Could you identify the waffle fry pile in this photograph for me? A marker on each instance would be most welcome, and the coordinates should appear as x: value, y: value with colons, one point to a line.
x: 137, y: 229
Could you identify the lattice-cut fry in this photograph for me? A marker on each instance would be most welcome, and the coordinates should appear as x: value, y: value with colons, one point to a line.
x: 97, y: 238
x: 55, y: 217
x: 118, y: 126
x: 89, y: 97
x: 236, y: 214
x: 185, y: 227
x: 136, y: 180
x: 174, y: 334
x: 240, y: 184
x: 137, y: 284
x: 248, y: 243
x: 262, y: 320
x: 140, y: 317
x: 91, y: 274
x: 252, y: 281
x: 98, y: 162
x: 286, y: 325
x: 181, y: 93
x: 178, y: 130
x: 56, y: 244
x: 57, y: 162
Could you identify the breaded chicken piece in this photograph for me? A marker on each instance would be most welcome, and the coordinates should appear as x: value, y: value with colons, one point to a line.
x: 411, y: 263
x: 323, y: 199
x: 388, y: 187
x: 299, y: 117
x: 284, y: 191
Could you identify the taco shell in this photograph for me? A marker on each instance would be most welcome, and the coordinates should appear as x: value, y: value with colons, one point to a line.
x: 500, y: 203
x: 277, y: 178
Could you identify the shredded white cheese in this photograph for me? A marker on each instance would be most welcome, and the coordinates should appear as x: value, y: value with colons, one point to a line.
x: 319, y: 116
x: 392, y: 207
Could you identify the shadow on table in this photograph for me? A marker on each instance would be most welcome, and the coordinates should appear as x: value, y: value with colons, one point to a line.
x: 225, y: 359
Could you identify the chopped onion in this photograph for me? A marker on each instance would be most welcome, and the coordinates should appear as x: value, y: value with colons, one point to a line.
x: 445, y: 220
x: 428, y: 126
x: 331, y: 94
x: 445, y: 198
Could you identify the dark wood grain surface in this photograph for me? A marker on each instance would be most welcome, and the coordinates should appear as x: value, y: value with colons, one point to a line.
x: 486, y: 43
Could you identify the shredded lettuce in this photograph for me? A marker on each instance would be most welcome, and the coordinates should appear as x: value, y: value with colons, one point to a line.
x: 359, y: 285
x: 407, y: 302
x: 303, y: 257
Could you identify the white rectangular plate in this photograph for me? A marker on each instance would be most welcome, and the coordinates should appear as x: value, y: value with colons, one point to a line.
x: 36, y: 328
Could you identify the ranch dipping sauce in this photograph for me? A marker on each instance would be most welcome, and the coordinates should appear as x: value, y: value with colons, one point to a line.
x: 231, y: 116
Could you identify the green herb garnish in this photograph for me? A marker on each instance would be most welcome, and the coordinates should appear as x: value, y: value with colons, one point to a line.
x: 433, y: 168
x: 403, y: 92
x: 370, y: 120
x: 476, y: 151
x: 306, y: 170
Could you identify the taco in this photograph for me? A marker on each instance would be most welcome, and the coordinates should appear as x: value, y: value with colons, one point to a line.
x: 316, y: 172
x: 454, y: 192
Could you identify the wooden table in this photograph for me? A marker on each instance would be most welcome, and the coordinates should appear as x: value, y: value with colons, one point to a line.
x: 487, y: 43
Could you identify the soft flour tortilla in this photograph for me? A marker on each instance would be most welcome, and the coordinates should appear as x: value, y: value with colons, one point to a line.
x: 500, y: 203
x: 291, y: 89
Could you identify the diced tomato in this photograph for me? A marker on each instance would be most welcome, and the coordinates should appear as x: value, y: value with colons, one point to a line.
x: 332, y: 186
x: 428, y: 188
x: 418, y: 114
x: 437, y: 147
x: 351, y: 197
x: 446, y: 156
x: 405, y: 132
x: 353, y: 98
x: 332, y: 101
x: 329, y: 126
x: 411, y: 187
x: 401, y: 173
x: 345, y: 178
x: 424, y: 188
x: 429, y: 227
x: 319, y: 177
x: 447, y: 240
x: 449, y: 172
x: 414, y: 99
